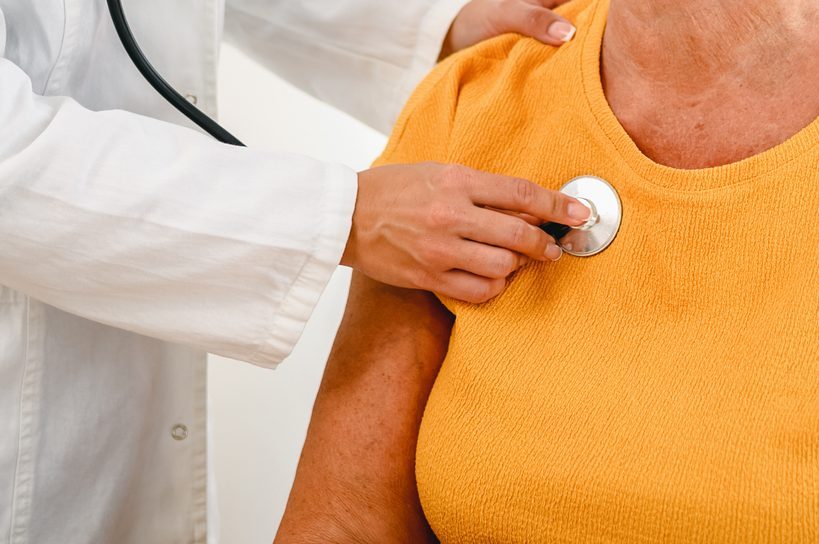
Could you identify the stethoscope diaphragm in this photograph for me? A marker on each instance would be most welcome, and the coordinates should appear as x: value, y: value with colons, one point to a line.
x: 600, y: 229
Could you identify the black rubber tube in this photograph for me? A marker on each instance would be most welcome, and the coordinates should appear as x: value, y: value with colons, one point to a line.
x: 555, y: 230
x: 158, y: 82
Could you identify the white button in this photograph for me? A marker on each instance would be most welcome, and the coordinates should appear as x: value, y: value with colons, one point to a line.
x: 192, y: 98
x: 179, y: 432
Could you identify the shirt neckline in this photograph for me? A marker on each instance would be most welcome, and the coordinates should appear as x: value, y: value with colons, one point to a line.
x: 684, y: 180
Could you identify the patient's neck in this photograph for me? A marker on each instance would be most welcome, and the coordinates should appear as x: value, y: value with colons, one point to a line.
x: 699, y: 83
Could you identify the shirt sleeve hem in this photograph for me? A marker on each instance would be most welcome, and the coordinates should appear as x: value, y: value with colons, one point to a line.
x: 338, y: 205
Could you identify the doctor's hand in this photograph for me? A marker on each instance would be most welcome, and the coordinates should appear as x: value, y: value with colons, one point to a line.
x: 440, y: 228
x: 483, y: 19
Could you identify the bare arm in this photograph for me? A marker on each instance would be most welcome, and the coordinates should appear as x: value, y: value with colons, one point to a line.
x: 356, y: 478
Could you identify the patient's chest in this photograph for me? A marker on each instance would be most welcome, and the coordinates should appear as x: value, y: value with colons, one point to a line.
x: 666, y: 390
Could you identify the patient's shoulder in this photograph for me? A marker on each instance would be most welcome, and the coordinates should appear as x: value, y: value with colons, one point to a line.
x: 510, y: 48
x: 456, y: 86
x: 481, y: 81
x: 509, y: 53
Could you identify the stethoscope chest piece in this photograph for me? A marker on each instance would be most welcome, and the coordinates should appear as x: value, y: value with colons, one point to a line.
x: 600, y: 230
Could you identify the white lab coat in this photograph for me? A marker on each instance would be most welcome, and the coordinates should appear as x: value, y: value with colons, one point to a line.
x: 131, y: 246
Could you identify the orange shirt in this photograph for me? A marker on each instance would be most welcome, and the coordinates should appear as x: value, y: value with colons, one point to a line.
x: 666, y: 390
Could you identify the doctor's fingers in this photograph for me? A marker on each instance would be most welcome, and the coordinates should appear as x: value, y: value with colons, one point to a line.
x: 522, y: 196
x: 531, y: 219
x: 511, y: 233
x: 488, y: 261
x: 469, y: 287
x: 535, y: 18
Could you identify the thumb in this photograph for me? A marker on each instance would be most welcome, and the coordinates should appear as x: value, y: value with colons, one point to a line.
x: 538, y: 22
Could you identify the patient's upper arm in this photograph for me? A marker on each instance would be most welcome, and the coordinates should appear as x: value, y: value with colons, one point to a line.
x: 356, y: 477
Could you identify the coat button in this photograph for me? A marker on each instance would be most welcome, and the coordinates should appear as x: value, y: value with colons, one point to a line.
x: 179, y: 432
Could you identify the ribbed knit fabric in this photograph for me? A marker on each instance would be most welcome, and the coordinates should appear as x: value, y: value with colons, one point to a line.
x: 666, y: 390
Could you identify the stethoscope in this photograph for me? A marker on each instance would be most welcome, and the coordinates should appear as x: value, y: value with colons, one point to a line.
x: 595, y: 235
x: 600, y: 229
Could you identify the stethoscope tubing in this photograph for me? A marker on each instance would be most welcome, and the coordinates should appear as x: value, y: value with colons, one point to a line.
x: 158, y: 82
x: 584, y: 241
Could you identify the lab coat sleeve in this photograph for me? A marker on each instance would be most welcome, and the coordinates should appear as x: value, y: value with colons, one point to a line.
x: 157, y: 229
x: 362, y: 56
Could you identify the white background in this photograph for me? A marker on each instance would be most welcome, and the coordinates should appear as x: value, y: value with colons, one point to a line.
x: 259, y: 417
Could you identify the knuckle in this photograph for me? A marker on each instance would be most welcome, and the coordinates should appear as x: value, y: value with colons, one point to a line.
x: 506, y: 264
x: 487, y: 290
x: 452, y: 176
x: 480, y: 293
x: 504, y: 8
x: 555, y: 205
x: 423, y: 278
x: 519, y: 235
x: 441, y: 216
x: 524, y: 192
x: 538, y: 17
x: 433, y: 254
x: 550, y: 16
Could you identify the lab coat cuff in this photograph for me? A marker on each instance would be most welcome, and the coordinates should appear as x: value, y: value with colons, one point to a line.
x: 334, y: 214
x: 431, y: 35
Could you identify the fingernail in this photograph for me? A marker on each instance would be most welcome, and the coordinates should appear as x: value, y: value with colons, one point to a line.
x: 553, y: 252
x: 561, y: 30
x: 578, y: 211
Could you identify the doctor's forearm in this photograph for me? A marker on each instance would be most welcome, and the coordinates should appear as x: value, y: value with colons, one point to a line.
x: 157, y: 229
